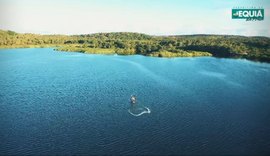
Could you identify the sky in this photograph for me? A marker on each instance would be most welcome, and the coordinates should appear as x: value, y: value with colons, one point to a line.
x: 154, y: 17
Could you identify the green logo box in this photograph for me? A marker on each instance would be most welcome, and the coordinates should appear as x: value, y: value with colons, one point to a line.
x: 248, y: 14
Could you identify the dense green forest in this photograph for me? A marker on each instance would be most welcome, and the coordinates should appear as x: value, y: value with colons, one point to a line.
x: 126, y: 43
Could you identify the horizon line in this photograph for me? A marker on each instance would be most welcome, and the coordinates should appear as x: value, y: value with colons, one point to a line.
x: 104, y: 32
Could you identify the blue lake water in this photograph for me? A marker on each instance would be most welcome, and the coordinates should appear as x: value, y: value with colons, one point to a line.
x: 72, y: 103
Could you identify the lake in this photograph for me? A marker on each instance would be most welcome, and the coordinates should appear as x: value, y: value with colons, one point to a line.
x: 73, y: 103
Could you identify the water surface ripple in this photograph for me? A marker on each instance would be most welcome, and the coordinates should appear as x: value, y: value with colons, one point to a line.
x: 70, y: 103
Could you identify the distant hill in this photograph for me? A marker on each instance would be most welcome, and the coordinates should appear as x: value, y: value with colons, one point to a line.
x: 128, y: 43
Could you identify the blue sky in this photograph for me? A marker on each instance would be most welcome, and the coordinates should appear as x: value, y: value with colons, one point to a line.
x: 155, y: 17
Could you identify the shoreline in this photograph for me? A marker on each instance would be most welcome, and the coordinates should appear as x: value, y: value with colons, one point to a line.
x: 55, y: 49
x: 128, y: 43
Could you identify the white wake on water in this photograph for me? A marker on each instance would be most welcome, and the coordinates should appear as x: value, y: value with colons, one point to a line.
x: 141, y: 111
x: 136, y: 108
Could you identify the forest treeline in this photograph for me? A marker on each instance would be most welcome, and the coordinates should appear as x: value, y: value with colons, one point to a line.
x: 126, y: 43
